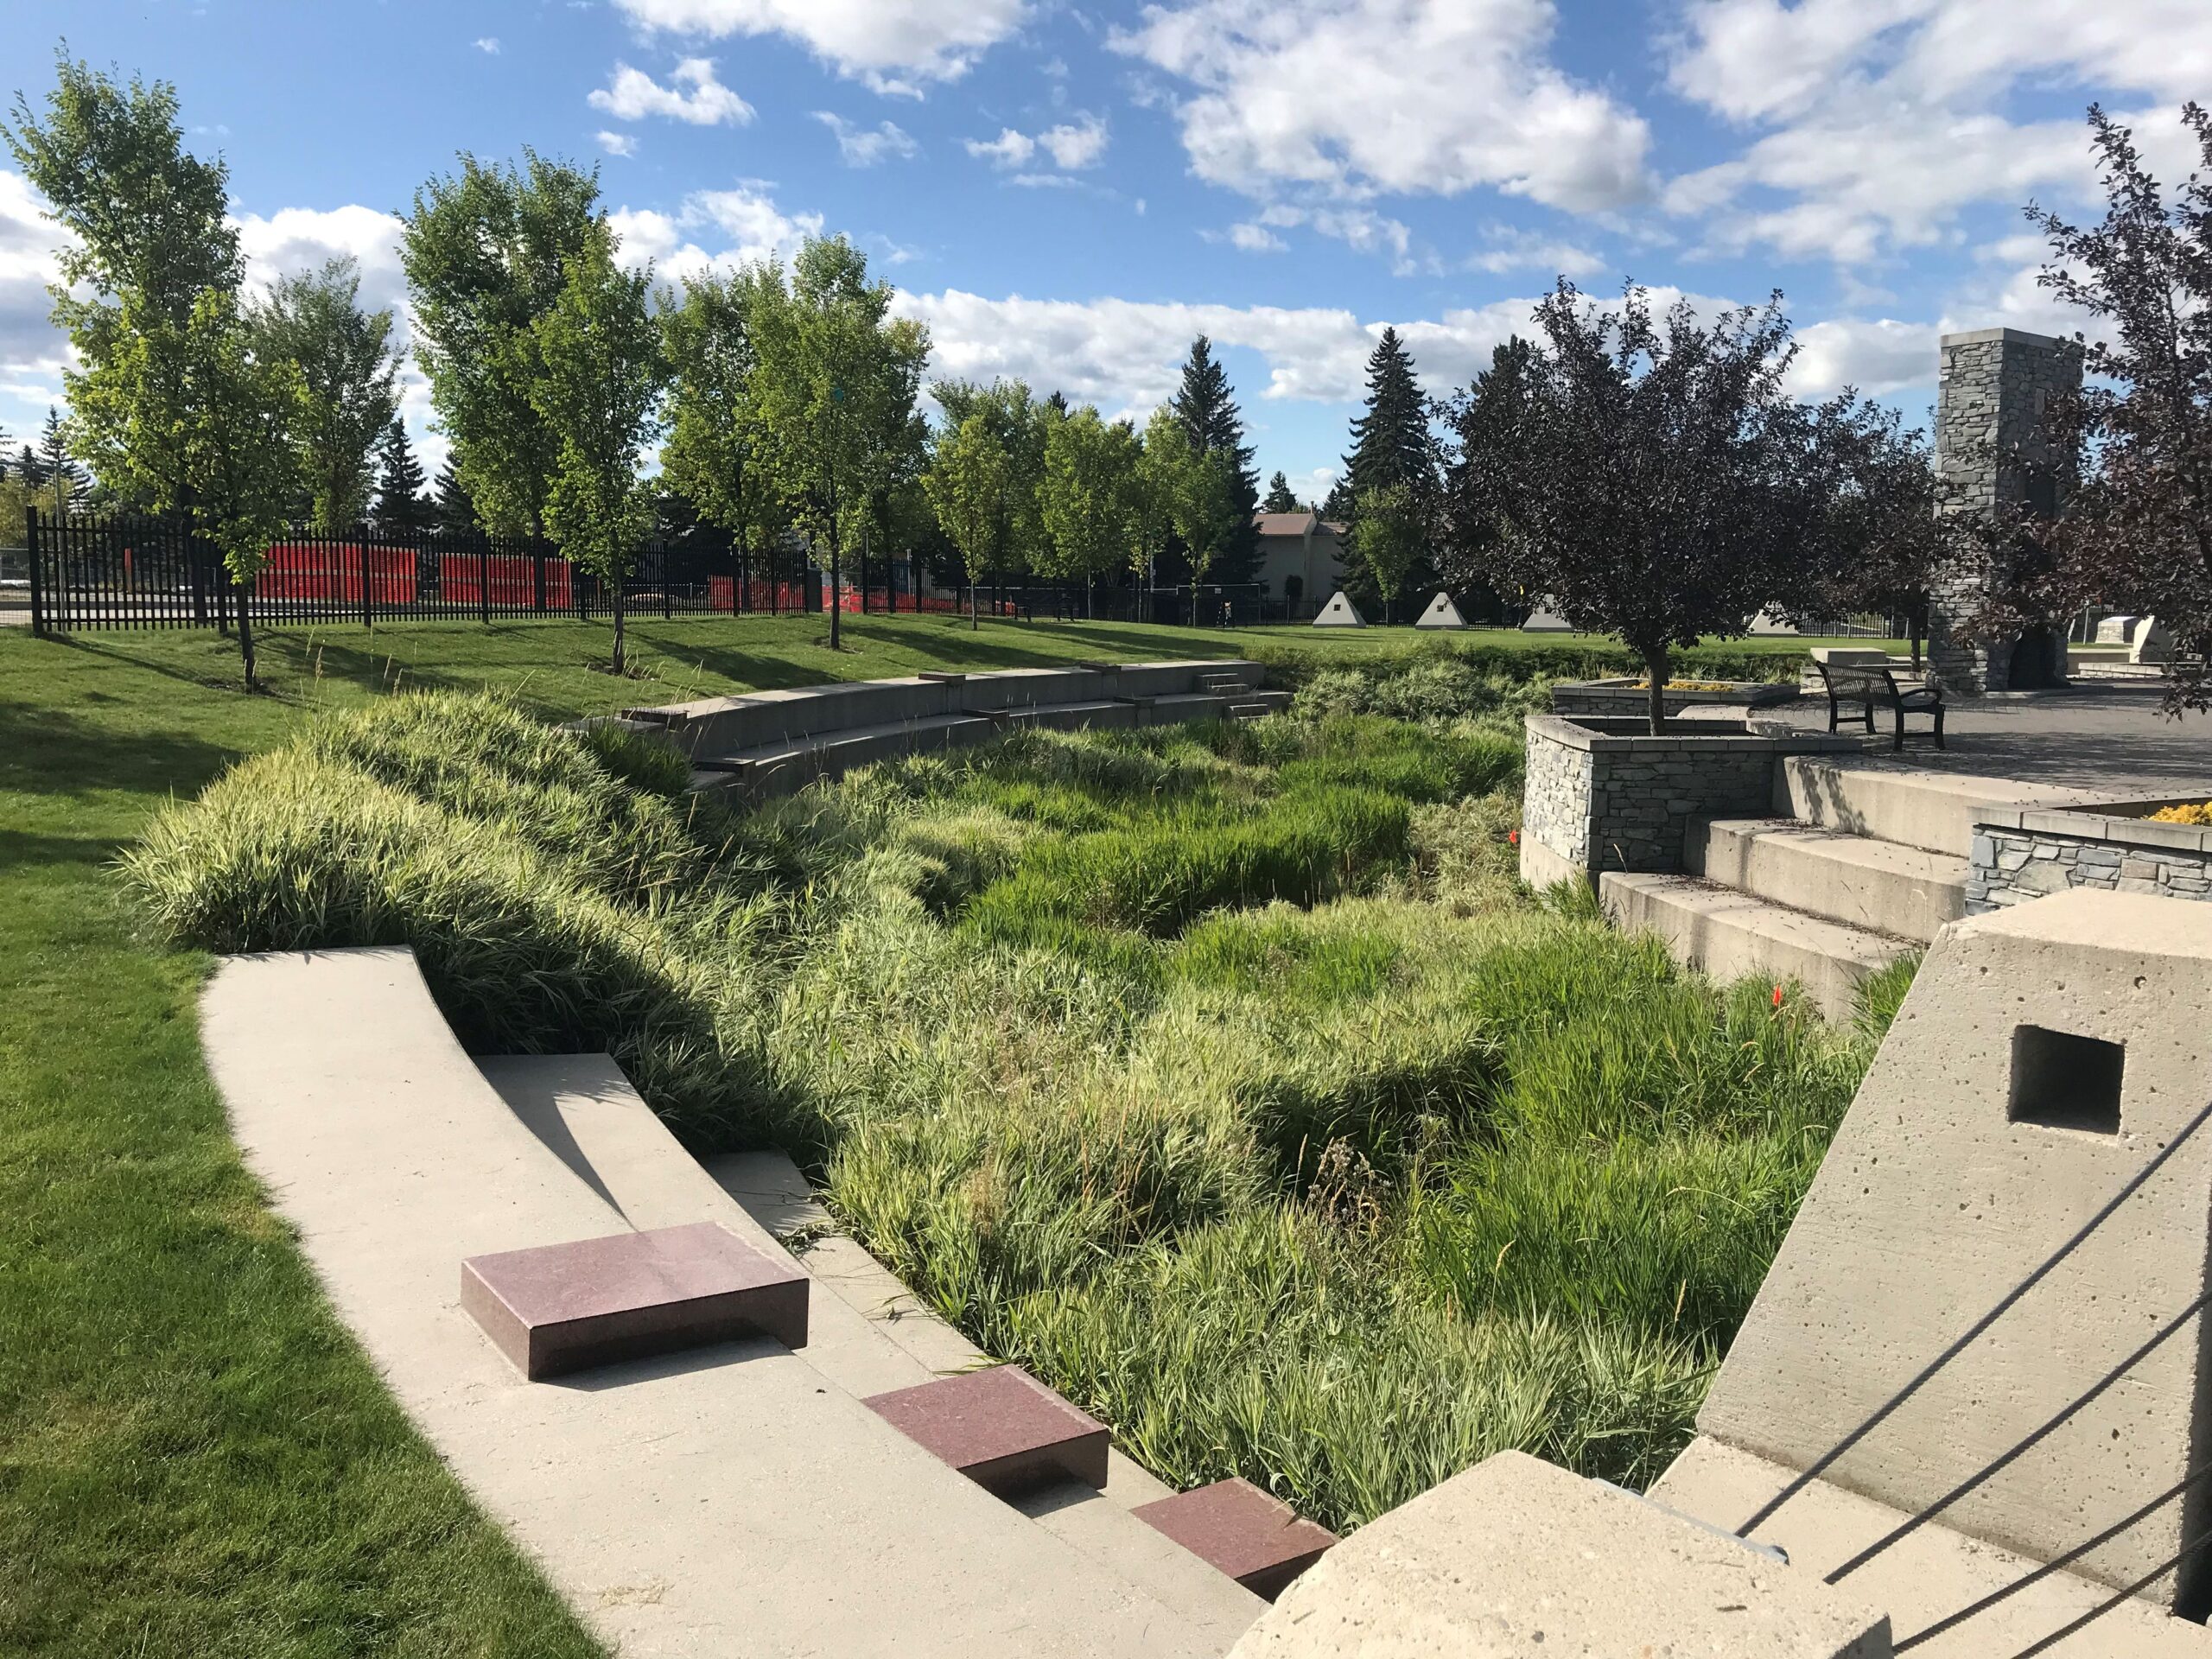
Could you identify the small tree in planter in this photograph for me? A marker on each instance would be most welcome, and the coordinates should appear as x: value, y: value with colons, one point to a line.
x: 1649, y: 472
x: 598, y: 395
x: 1882, y: 540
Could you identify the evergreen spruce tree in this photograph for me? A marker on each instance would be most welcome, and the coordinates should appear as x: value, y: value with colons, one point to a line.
x: 64, y: 478
x: 452, y: 510
x: 1391, y: 448
x: 1208, y: 410
x: 1281, y: 498
x: 28, y: 469
x: 401, y: 510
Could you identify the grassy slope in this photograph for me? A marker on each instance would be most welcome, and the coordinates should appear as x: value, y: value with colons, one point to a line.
x: 193, y: 1458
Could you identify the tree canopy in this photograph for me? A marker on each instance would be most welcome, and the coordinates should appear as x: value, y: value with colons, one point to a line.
x: 486, y: 251
x: 598, y: 394
x: 968, y: 481
x: 1207, y: 407
x: 2135, y: 443
x: 1649, y: 472
x: 1085, y: 494
x: 346, y: 375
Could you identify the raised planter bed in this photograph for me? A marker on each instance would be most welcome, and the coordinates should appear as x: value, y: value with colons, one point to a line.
x: 1631, y: 696
x: 1602, y: 793
x: 2023, y: 852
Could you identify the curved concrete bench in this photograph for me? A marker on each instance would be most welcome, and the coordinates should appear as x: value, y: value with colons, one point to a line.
x: 773, y: 742
x: 736, y: 1499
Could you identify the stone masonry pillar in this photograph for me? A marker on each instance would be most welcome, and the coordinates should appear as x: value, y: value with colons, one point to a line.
x: 1994, y: 387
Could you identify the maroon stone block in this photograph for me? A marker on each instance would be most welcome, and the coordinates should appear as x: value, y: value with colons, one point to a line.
x: 1259, y: 1541
x: 1001, y: 1428
x: 567, y: 1307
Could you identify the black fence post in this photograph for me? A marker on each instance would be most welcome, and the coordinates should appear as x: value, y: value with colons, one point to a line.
x: 484, y: 580
x: 538, y: 576
x: 667, y: 601
x: 38, y: 584
x: 368, y: 590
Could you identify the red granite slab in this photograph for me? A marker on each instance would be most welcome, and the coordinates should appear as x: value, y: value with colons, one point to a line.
x: 1257, y: 1540
x: 1001, y: 1428
x: 567, y: 1307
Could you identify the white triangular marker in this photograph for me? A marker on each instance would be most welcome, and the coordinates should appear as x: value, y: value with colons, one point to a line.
x: 1338, y: 614
x: 1442, y: 613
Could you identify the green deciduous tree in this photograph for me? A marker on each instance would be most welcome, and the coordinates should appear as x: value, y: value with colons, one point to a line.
x: 717, y: 451
x: 486, y: 251
x: 1087, y: 495
x: 837, y: 381
x: 149, y: 236
x: 344, y: 357
x: 598, y: 395
x: 234, y: 432
x: 1391, y: 535
x: 966, y: 483
x: 1155, y: 487
x: 1021, y: 422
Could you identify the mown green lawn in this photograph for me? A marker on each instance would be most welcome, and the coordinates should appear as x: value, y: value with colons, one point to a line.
x: 194, y: 1457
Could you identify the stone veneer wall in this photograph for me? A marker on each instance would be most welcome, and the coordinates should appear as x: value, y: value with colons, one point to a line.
x: 1994, y: 385
x: 1601, y: 793
x: 2023, y: 853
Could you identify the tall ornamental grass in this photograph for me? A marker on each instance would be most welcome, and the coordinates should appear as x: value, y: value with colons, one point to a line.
x: 1224, y: 1075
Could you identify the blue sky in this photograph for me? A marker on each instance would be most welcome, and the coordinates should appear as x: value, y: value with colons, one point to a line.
x: 1069, y: 193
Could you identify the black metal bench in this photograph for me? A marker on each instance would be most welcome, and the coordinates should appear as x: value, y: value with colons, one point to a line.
x: 1868, y: 686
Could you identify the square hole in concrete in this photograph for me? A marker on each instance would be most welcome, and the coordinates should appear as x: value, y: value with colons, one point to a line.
x: 2063, y: 1081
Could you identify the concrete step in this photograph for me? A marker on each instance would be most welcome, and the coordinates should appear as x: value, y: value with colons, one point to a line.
x: 1922, y: 807
x: 773, y: 1192
x: 1729, y: 934
x: 1883, y: 887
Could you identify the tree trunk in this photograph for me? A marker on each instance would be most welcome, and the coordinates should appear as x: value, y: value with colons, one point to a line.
x: 1657, y: 671
x: 973, y: 620
x: 616, y: 664
x: 836, y: 587
x: 1916, y: 627
x: 245, y: 637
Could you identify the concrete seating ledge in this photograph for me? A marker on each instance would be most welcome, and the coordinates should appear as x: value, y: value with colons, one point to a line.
x: 773, y: 742
x: 738, y: 1495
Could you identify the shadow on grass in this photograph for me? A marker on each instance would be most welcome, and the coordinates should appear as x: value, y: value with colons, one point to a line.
x: 21, y: 850
x: 53, y: 752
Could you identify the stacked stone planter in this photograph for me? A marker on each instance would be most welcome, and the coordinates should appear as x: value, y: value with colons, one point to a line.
x: 2024, y: 852
x: 1601, y: 793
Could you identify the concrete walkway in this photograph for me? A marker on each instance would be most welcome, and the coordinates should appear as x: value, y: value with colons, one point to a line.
x: 2103, y: 737
x: 729, y: 1500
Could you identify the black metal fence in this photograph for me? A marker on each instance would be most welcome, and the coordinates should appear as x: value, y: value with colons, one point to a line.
x: 93, y: 571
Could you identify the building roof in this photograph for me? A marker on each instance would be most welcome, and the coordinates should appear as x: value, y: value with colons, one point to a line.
x: 1283, y: 523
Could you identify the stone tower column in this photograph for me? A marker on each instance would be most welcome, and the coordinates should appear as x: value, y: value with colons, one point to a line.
x: 1995, y: 385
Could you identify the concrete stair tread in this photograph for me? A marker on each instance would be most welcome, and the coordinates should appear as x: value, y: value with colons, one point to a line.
x: 1882, y: 886
x: 1884, y: 799
x: 1730, y: 934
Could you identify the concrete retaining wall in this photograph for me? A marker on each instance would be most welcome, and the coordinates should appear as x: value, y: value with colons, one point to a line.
x: 2022, y: 853
x: 1602, y: 794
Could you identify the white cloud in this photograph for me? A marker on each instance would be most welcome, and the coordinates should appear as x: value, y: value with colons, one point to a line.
x: 1518, y: 250
x: 633, y: 94
x: 1072, y: 146
x: 1251, y: 237
x: 1361, y: 229
x: 295, y: 240
x: 892, y: 45
x: 749, y: 224
x: 1075, y: 145
x: 488, y: 44
x: 616, y: 143
x: 1009, y: 149
x: 1414, y: 96
x: 30, y: 345
x: 858, y: 147
x: 1878, y: 357
x: 1881, y: 122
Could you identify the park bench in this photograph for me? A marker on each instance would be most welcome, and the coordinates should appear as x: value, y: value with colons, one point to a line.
x: 1869, y: 686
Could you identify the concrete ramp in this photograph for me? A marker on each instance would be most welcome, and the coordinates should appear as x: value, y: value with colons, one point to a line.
x: 728, y: 1500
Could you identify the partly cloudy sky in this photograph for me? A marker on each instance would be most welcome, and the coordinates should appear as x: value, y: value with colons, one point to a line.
x: 1069, y: 193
